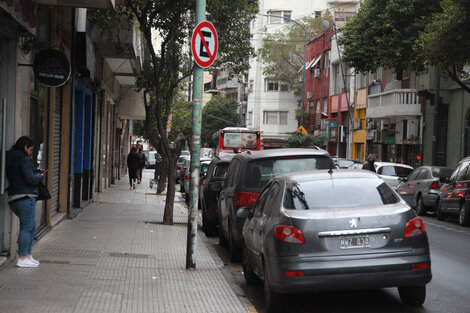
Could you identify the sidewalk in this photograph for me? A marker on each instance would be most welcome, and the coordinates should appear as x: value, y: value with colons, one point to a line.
x: 116, y: 256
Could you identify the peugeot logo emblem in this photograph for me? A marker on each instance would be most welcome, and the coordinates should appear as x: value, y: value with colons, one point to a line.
x: 353, y: 222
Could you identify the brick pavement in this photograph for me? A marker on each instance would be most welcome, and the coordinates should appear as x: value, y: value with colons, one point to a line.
x: 116, y: 256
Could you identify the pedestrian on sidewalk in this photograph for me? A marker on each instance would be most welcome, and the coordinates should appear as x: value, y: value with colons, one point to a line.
x: 369, y: 165
x: 23, y: 179
x: 141, y: 164
x: 133, y: 166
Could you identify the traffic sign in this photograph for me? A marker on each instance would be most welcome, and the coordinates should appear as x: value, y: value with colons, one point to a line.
x: 204, y: 44
x: 302, y: 130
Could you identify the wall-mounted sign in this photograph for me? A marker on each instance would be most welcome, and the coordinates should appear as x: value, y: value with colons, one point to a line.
x: 51, y: 67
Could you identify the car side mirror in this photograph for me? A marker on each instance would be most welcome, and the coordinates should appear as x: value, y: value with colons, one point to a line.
x: 245, y: 212
x: 444, y: 180
x: 403, y: 179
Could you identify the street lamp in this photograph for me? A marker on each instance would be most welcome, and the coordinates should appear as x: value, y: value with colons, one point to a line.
x: 301, y: 122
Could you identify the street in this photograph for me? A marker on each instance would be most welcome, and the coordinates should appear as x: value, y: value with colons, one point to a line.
x: 447, y: 292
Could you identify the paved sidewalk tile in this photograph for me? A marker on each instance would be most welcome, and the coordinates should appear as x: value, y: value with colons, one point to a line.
x: 116, y: 256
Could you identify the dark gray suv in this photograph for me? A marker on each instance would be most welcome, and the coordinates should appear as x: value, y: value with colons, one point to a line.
x: 247, y: 175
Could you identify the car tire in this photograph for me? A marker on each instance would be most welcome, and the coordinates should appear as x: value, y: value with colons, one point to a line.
x: 412, y: 295
x: 250, y: 276
x: 464, y: 216
x: 439, y: 214
x: 420, y: 208
x: 273, y: 302
x: 209, y: 228
x: 222, y: 240
x: 234, y: 252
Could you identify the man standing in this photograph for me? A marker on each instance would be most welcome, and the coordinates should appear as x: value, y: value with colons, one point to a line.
x: 141, y: 164
x: 369, y: 165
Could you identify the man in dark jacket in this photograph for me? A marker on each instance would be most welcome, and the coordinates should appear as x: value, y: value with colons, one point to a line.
x: 369, y: 165
x: 141, y: 164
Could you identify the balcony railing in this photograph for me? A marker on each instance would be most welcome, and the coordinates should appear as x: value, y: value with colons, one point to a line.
x: 398, y: 102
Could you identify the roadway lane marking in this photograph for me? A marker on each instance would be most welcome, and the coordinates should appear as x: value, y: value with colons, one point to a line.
x: 448, y: 228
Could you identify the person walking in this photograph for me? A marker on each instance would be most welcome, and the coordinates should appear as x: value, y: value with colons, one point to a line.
x: 23, y: 179
x: 369, y: 165
x: 133, y: 166
x: 141, y: 164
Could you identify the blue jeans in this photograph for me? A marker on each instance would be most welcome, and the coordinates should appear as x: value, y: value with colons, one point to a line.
x: 25, y: 209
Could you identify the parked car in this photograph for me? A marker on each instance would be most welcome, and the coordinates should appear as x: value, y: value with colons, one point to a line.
x: 390, y: 172
x: 322, y: 230
x: 210, y: 190
x: 247, y: 175
x: 345, y: 163
x: 179, y: 167
x: 204, y: 165
x: 453, y: 198
x: 184, y: 173
x: 421, y: 187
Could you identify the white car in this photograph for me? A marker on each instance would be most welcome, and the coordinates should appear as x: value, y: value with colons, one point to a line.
x: 390, y: 172
x: 188, y: 174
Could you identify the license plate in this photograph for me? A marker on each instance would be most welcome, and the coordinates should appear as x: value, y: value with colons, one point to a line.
x: 351, y: 242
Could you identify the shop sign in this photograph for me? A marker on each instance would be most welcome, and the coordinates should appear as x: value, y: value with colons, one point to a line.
x: 389, y: 140
x: 51, y: 67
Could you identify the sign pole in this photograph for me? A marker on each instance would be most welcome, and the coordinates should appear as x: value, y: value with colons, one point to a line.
x: 195, y: 151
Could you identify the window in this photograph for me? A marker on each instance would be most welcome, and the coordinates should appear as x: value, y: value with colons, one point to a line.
x: 325, y: 105
x: 318, y: 109
x: 317, y: 14
x: 344, y: 16
x: 273, y: 85
x: 424, y: 174
x: 413, y: 175
x: 275, y: 117
x: 250, y: 118
x: 463, y: 171
x: 279, y: 17
x: 327, y: 59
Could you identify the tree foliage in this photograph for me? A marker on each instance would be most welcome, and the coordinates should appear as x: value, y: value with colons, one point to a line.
x: 282, y: 53
x: 218, y: 113
x: 384, y: 33
x: 299, y: 140
x: 181, y: 120
x: 445, y: 42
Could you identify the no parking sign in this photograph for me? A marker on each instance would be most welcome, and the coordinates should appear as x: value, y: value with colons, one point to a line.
x: 204, y: 44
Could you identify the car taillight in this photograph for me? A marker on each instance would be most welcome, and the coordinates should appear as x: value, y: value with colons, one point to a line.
x: 434, y: 185
x: 246, y: 198
x: 414, y: 227
x: 183, y: 170
x: 201, y: 180
x: 177, y: 167
x: 289, y: 234
x: 186, y: 177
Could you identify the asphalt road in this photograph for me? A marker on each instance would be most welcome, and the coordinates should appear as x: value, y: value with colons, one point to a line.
x: 449, y: 290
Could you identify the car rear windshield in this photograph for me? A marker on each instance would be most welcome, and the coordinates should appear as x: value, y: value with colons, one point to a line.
x: 338, y: 193
x: 221, y: 169
x: 441, y: 172
x: 259, y: 172
x: 396, y: 171
x: 181, y: 160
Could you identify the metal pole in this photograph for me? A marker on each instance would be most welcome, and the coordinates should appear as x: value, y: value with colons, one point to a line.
x: 436, y: 114
x: 195, y: 151
x: 302, y: 109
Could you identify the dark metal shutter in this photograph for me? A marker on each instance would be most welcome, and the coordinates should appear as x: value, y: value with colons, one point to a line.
x: 56, y: 136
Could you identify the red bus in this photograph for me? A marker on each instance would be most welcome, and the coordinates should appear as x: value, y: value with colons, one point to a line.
x: 231, y: 138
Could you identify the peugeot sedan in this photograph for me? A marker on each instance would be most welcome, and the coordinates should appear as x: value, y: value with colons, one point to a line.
x: 331, y: 230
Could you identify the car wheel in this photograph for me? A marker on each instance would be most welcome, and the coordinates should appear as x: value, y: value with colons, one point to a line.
x: 439, y: 214
x: 233, y: 251
x: 209, y: 228
x: 420, y: 208
x: 464, y: 216
x: 250, y: 276
x: 412, y: 295
x: 222, y: 240
x: 273, y: 302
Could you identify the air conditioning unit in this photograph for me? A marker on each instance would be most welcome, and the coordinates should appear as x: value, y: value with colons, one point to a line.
x: 316, y: 73
x: 378, y: 136
x: 356, y: 123
x: 309, y: 95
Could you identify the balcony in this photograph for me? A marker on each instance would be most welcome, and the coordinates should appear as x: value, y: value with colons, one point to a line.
x: 226, y: 83
x: 394, y: 103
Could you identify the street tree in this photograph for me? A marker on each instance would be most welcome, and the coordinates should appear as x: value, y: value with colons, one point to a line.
x: 384, y: 33
x: 282, y: 53
x: 218, y: 113
x: 168, y: 65
x: 445, y: 41
x: 299, y: 140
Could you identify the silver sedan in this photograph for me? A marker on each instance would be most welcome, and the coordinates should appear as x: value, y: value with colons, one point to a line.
x: 331, y: 230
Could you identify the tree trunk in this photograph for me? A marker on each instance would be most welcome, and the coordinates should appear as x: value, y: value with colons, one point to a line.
x: 163, y: 175
x: 170, y: 194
